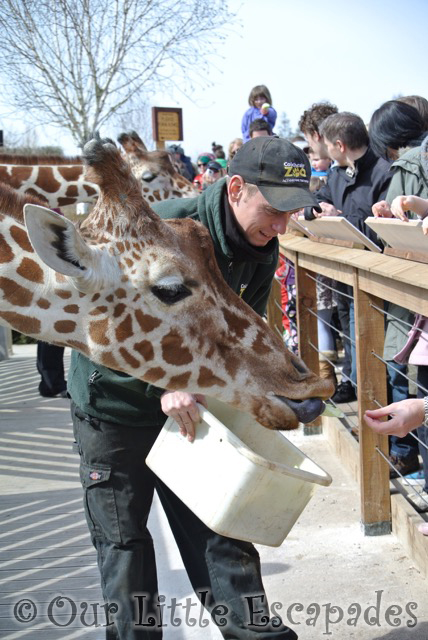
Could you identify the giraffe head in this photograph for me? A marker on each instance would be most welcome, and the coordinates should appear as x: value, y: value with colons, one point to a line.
x: 154, y: 170
x: 145, y: 296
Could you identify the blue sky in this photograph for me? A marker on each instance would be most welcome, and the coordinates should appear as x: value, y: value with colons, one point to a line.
x: 357, y: 55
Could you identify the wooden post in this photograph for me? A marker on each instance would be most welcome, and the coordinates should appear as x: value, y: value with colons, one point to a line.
x: 274, y: 312
x: 371, y: 379
x: 306, y: 301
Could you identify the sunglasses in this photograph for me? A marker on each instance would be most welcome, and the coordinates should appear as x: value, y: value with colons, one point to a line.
x: 202, y: 164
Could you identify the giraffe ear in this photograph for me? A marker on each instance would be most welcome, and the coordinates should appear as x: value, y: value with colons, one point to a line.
x: 56, y: 241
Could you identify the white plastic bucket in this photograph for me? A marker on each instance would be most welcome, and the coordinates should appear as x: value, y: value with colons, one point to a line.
x: 241, y: 480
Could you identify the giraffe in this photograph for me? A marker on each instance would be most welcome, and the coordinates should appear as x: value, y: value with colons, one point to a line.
x: 145, y: 296
x: 60, y: 181
x: 159, y: 179
x: 57, y: 181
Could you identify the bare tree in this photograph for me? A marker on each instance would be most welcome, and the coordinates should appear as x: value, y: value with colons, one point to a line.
x: 78, y: 63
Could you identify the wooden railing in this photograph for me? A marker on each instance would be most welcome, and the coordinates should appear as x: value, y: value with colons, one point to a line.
x: 374, y: 278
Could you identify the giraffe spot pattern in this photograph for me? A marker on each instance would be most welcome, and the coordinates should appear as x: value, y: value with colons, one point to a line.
x: 70, y: 173
x: 124, y: 330
x: 65, y: 326
x: 146, y: 322
x: 145, y: 348
x: 80, y: 346
x: 108, y: 360
x: 120, y: 293
x: 237, y: 324
x: 62, y: 293
x: 72, y: 191
x: 95, y: 297
x: 43, y: 303
x: 98, y: 311
x: 118, y: 310
x: 59, y: 277
x: 173, y: 350
x: 63, y: 202
x: 21, y: 238
x: 6, y: 253
x: 180, y: 381
x: 23, y: 324
x: 30, y: 270
x: 154, y: 375
x: 46, y: 180
x: 207, y: 378
x: 71, y: 308
x: 98, y: 331
x: 259, y: 346
x: 15, y: 294
x: 129, y: 358
x: 90, y: 190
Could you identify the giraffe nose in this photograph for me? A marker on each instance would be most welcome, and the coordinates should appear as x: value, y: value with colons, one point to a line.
x: 305, y: 410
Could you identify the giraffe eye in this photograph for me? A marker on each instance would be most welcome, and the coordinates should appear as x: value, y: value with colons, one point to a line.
x: 171, y: 294
x: 148, y: 176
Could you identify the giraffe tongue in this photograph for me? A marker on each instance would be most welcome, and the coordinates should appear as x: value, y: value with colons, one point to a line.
x: 305, y: 410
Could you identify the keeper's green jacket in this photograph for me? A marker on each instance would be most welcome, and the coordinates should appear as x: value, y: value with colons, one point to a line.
x: 115, y: 397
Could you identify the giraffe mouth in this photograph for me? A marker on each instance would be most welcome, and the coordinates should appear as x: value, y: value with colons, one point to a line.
x: 305, y: 410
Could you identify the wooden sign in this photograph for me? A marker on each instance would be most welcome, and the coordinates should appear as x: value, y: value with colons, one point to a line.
x: 337, y: 230
x: 399, y: 234
x: 167, y: 124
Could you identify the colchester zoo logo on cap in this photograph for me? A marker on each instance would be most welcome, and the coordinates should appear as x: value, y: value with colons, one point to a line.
x: 295, y: 172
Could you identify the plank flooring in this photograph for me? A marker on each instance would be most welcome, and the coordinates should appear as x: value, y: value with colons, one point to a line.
x: 45, y: 549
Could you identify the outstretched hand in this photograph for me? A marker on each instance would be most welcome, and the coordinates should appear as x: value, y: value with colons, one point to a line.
x: 406, y: 415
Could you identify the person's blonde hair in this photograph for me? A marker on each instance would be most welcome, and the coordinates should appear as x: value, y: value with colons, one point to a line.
x: 236, y: 141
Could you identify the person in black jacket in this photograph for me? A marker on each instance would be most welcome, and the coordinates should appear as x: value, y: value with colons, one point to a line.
x: 358, y: 180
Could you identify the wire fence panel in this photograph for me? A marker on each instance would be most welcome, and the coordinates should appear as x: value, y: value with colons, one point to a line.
x: 376, y: 279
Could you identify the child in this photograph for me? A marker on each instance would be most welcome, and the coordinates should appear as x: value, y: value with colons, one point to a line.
x: 259, y: 96
x: 202, y: 163
x: 320, y: 166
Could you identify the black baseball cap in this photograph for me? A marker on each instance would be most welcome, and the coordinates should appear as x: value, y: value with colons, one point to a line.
x: 279, y: 169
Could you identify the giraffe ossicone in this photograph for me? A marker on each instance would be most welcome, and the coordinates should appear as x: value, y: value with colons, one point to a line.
x: 145, y: 296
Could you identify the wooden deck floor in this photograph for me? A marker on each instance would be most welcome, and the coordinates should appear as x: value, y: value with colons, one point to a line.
x: 45, y: 550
